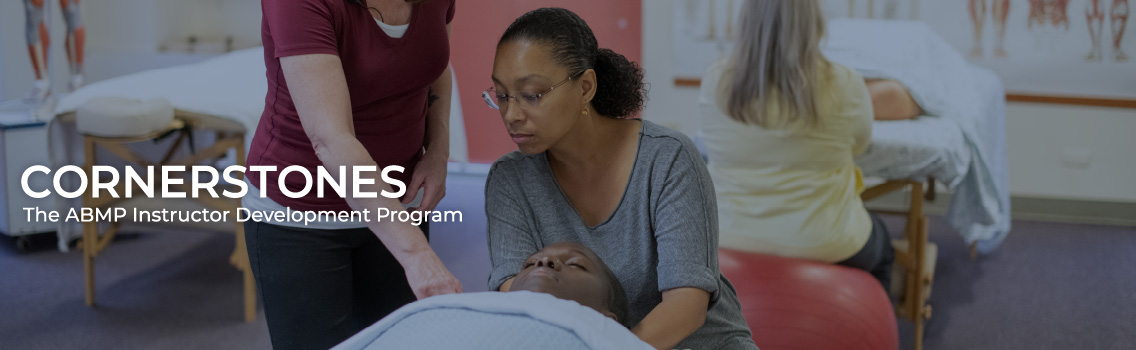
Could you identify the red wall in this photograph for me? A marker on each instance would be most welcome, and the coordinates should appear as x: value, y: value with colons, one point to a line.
x: 479, y: 23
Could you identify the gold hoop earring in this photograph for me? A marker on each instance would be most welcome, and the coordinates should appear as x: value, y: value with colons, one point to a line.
x: 585, y: 111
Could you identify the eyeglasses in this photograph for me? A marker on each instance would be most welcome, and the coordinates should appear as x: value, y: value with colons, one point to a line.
x: 497, y: 100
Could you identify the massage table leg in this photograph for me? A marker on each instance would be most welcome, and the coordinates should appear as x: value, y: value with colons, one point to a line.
x: 913, y: 253
x: 90, y: 231
x: 919, y: 277
x: 89, y: 263
x: 92, y: 243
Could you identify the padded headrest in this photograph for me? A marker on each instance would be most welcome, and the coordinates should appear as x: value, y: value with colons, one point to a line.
x: 123, y: 117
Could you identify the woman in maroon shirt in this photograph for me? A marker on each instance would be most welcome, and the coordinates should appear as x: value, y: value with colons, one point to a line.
x: 344, y: 89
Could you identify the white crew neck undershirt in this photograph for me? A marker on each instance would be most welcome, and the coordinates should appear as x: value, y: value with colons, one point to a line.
x: 393, y: 31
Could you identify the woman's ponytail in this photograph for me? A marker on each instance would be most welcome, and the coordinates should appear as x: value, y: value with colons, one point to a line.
x: 620, y: 93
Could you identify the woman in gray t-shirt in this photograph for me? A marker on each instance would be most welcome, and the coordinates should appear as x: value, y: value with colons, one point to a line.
x: 636, y: 193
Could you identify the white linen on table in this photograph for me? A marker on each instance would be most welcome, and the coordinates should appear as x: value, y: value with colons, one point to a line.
x: 946, y: 86
x: 469, y: 321
x: 231, y: 86
x: 916, y: 149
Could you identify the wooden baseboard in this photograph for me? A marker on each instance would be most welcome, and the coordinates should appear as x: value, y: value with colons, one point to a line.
x: 1011, y: 97
x: 1072, y: 100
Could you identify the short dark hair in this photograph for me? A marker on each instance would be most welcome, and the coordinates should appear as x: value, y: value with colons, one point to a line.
x: 620, y: 92
x: 617, y: 296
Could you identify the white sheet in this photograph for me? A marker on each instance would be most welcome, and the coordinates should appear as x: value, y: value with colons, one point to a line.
x: 947, y: 87
x: 916, y: 149
x: 231, y: 86
x: 927, y: 146
x: 543, y: 313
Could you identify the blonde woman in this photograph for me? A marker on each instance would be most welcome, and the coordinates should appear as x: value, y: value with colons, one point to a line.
x: 781, y: 125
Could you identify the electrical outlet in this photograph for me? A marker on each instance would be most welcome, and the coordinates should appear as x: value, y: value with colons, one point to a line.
x: 1076, y: 158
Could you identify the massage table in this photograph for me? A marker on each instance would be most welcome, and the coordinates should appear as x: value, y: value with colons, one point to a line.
x: 495, y: 320
x: 203, y: 96
x: 960, y: 142
x: 911, y: 156
x: 217, y: 105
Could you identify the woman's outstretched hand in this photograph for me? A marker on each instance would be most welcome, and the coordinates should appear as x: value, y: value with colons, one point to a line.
x: 430, y: 175
x: 429, y: 277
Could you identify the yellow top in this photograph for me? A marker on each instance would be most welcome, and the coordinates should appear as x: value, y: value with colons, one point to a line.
x: 791, y: 190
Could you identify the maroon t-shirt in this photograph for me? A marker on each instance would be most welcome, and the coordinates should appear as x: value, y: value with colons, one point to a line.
x: 388, y: 80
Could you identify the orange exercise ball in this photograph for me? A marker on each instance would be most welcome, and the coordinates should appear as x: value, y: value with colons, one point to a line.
x: 802, y: 304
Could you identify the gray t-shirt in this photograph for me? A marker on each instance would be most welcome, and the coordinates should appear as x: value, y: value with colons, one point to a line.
x: 662, y: 235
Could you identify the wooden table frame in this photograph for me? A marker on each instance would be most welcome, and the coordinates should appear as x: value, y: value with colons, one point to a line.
x: 230, y: 135
x: 913, y: 252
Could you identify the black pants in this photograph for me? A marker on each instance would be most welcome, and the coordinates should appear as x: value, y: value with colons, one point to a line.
x: 877, y: 256
x: 320, y: 287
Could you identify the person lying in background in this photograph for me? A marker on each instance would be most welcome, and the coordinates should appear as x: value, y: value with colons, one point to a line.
x: 564, y: 297
x: 891, y: 100
x: 781, y: 125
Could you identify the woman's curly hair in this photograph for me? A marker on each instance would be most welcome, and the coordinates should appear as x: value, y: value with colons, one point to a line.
x: 620, y: 92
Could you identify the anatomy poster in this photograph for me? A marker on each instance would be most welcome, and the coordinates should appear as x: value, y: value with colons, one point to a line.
x: 1075, y: 48
x: 704, y: 30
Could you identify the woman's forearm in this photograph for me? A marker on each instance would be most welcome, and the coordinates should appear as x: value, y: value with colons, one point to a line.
x: 402, y: 239
x: 319, y: 90
x: 682, y: 312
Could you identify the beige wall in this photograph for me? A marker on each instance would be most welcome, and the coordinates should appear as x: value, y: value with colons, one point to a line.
x: 1072, y: 152
x: 123, y: 36
x: 1048, y: 145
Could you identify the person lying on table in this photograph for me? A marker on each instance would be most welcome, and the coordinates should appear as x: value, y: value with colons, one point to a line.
x: 564, y: 297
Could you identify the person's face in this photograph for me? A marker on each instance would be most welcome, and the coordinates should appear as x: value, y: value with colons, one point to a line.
x: 568, y: 271
x: 524, y: 69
